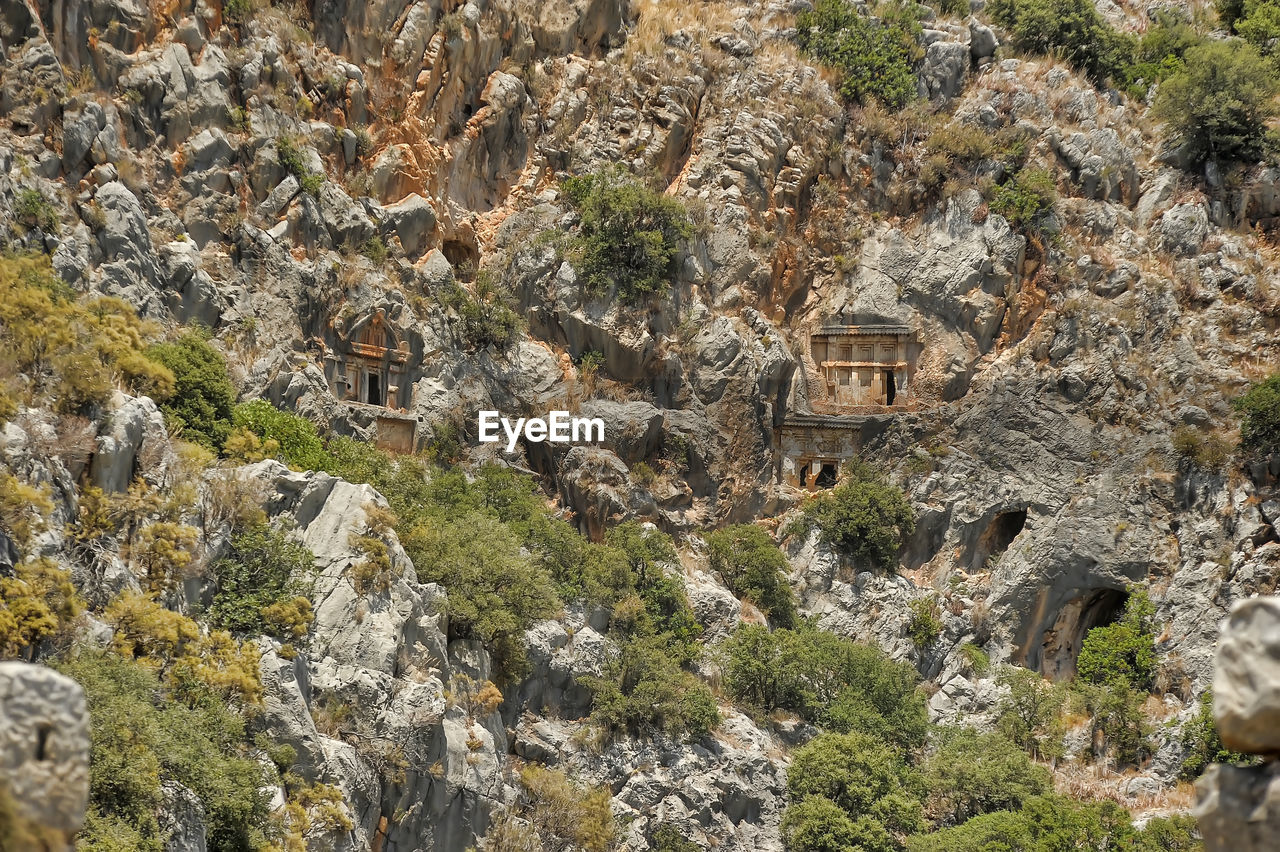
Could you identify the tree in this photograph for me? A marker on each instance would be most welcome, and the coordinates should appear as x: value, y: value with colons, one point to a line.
x: 816, y: 824
x: 864, y: 517
x: 1028, y: 715
x: 1124, y: 651
x: 1260, y: 417
x: 972, y: 773
x: 872, y: 55
x: 828, y: 680
x: 753, y: 568
x: 1218, y: 104
x: 628, y: 235
x: 260, y: 584
x: 200, y: 408
x: 1072, y: 29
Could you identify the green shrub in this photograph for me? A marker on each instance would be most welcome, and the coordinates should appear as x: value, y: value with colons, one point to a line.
x: 33, y: 209
x: 1260, y: 417
x: 299, y: 442
x: 628, y: 235
x: 1042, y: 823
x: 1160, y: 51
x: 1072, y: 29
x: 817, y: 824
x: 1203, y: 745
x: 1260, y: 25
x: 863, y: 517
x: 141, y: 736
x: 978, y: 661
x: 753, y: 568
x: 69, y: 354
x: 644, y: 689
x: 1120, y: 729
x: 866, y: 778
x: 828, y: 680
x: 666, y: 838
x: 1124, y: 651
x: 1178, y: 833
x: 554, y: 813
x: 1025, y: 199
x: 1029, y: 714
x: 1219, y: 102
x: 971, y: 773
x: 201, y: 405
x: 488, y: 315
x: 1204, y: 449
x: 872, y: 56
x: 926, y: 622
x: 294, y: 162
x: 259, y: 581
x: 495, y: 592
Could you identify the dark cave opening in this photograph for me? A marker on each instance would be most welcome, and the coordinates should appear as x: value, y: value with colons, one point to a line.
x: 1060, y: 645
x: 828, y: 475
x: 997, y: 538
x: 462, y: 257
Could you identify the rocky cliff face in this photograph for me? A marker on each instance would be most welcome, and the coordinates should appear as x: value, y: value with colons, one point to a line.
x: 287, y: 174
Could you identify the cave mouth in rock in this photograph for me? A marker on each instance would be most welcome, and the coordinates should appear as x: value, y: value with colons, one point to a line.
x: 463, y: 257
x: 1060, y: 645
x: 997, y: 537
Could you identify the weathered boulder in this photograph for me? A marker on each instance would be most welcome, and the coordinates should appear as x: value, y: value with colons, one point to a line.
x: 1238, y: 807
x: 1246, y: 683
x: 136, y: 424
x: 44, y: 752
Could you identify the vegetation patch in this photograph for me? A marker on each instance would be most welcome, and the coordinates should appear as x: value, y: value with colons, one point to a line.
x: 864, y: 517
x: 873, y: 55
x: 628, y: 235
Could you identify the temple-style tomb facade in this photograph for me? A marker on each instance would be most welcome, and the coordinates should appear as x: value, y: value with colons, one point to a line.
x: 857, y: 374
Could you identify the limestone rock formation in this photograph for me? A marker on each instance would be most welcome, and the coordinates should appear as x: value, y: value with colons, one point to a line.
x: 44, y: 754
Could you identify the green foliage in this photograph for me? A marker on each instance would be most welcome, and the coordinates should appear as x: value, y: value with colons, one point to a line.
x: 863, y: 775
x: 1042, y: 823
x: 1260, y: 417
x: 375, y: 249
x: 1260, y: 25
x: 64, y: 353
x: 1124, y: 651
x: 872, y: 56
x: 296, y: 437
x: 237, y: 11
x: 666, y: 838
x: 141, y: 735
x: 495, y: 591
x: 753, y: 568
x: 261, y: 584
x: 978, y: 661
x: 1160, y: 51
x: 1219, y: 102
x: 628, y: 235
x: 644, y: 689
x: 1165, y: 834
x: 1072, y: 29
x: 1202, y: 448
x: 201, y: 405
x: 1025, y: 199
x: 1029, y: 714
x: 1203, y: 745
x: 828, y: 680
x: 35, y: 210
x: 294, y: 161
x: 488, y: 315
x: 1120, y: 728
x: 971, y: 773
x: 864, y: 517
x: 817, y: 824
x: 926, y: 622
